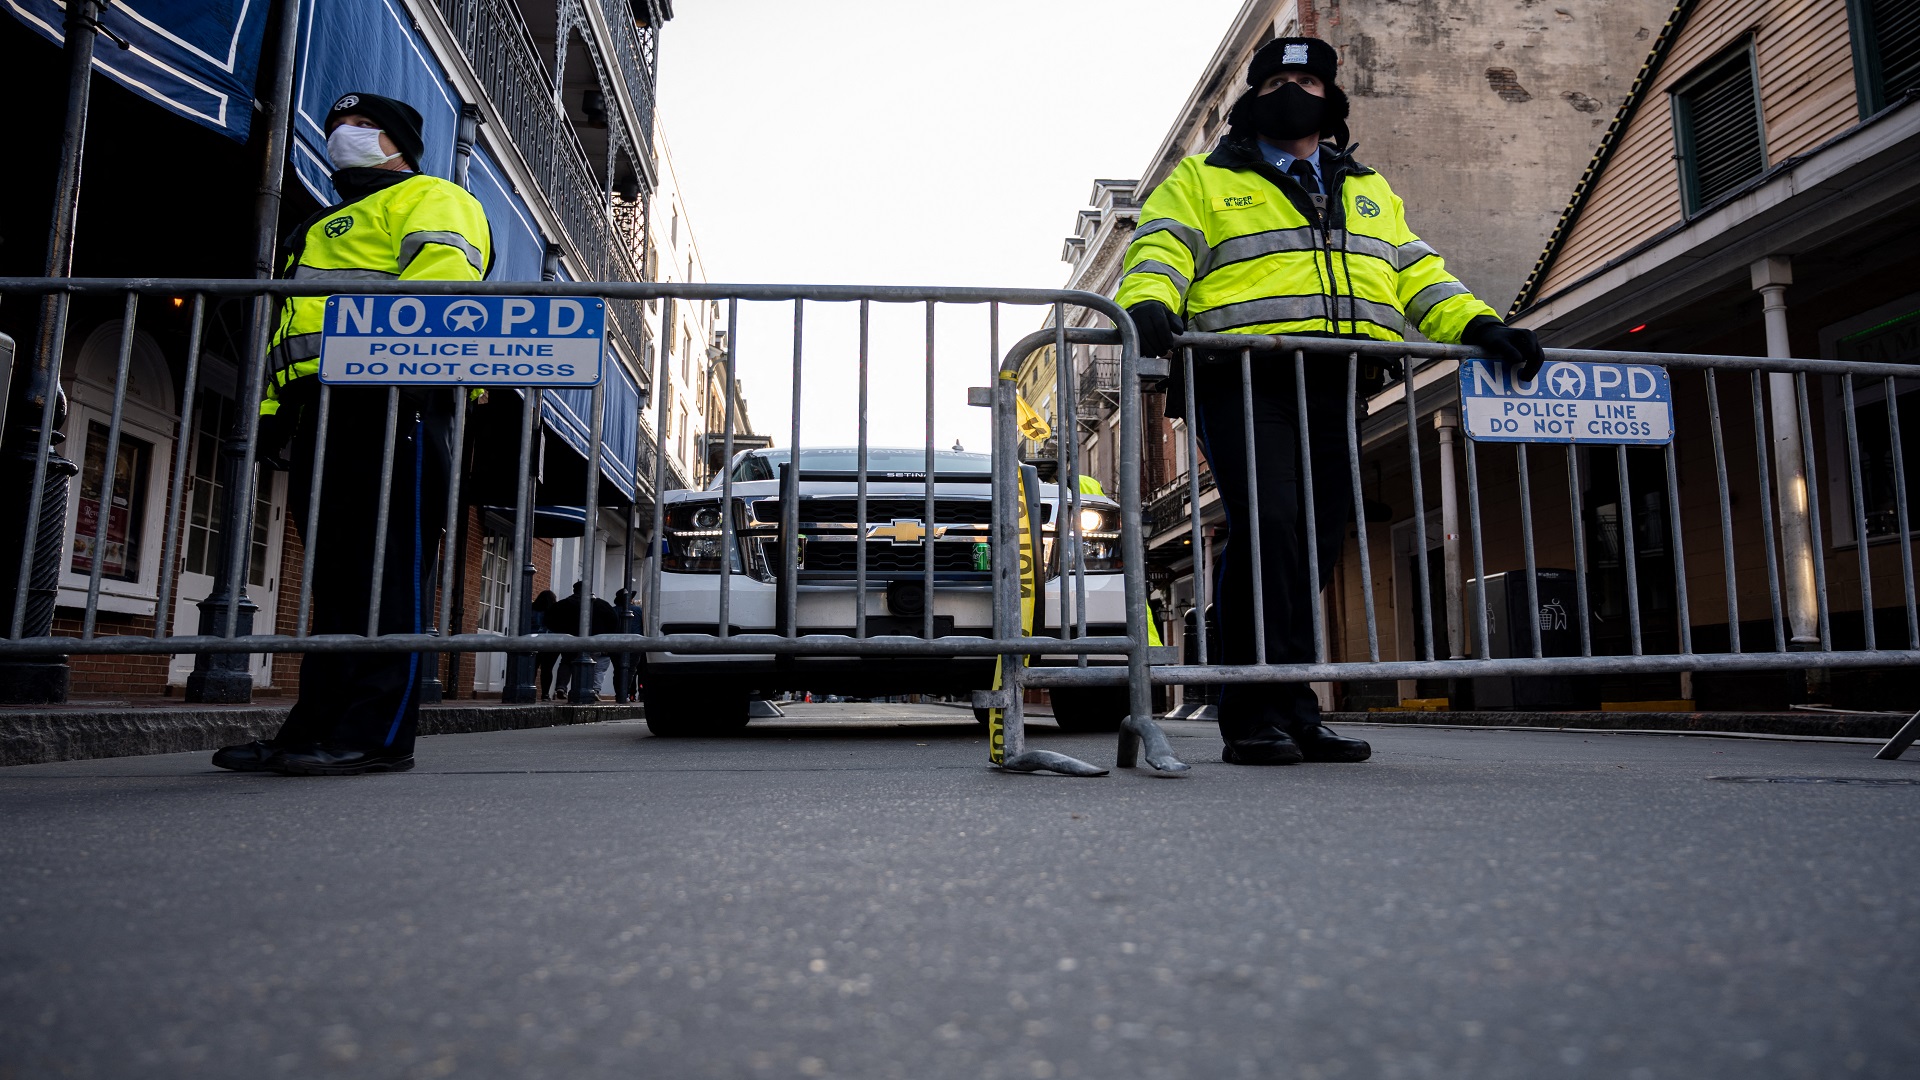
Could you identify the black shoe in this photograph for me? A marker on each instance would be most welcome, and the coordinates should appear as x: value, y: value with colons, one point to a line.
x: 246, y: 757
x: 336, y: 761
x: 1319, y: 743
x: 1273, y: 748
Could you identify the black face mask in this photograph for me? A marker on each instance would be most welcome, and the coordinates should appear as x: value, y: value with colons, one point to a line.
x: 356, y: 184
x: 1288, y: 113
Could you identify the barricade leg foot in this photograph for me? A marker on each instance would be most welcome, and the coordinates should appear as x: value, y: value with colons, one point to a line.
x: 1160, y: 756
x: 1037, y: 760
x: 1129, y: 752
x: 1901, y: 740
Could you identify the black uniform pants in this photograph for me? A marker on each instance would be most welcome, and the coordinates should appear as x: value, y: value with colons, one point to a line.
x: 369, y: 701
x: 1247, y: 710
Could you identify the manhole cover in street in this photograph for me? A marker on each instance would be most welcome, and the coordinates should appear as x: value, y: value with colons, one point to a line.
x: 1868, y: 781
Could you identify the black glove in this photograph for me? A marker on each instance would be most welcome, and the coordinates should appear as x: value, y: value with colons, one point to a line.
x: 270, y: 443
x: 1157, y: 324
x: 1518, y: 347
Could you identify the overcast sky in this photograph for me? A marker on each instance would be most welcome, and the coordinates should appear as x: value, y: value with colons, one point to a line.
x: 904, y: 142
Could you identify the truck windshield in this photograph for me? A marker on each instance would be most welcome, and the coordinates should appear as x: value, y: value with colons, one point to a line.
x: 765, y: 464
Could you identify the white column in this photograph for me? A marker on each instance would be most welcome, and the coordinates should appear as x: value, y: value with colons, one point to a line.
x: 1447, y: 423
x: 1771, y: 276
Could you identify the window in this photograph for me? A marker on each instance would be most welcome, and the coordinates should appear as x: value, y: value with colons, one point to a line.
x: 207, y: 502
x: 1886, y: 51
x: 127, y: 513
x: 1892, y: 341
x: 674, y: 233
x: 1716, y: 124
x: 496, y: 575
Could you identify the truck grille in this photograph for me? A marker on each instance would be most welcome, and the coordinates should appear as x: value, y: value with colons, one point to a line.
x: 884, y: 558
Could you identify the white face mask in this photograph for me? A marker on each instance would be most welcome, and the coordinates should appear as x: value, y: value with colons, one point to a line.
x: 353, y: 147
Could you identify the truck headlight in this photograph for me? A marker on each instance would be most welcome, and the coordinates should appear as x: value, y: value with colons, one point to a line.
x: 1099, y: 540
x: 693, y: 540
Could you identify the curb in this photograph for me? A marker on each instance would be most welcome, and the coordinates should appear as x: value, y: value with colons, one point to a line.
x: 1776, y: 725
x: 38, y: 736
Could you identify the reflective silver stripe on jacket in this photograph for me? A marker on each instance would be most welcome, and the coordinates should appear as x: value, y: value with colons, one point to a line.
x: 411, y: 244
x: 1411, y: 252
x: 1194, y: 239
x: 1279, y: 309
x: 1354, y: 243
x: 1254, y: 245
x: 355, y: 273
x: 1155, y: 266
x: 1304, y: 238
x: 1424, y: 300
x: 293, y: 350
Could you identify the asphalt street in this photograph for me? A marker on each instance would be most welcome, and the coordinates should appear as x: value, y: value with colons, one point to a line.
x: 852, y: 892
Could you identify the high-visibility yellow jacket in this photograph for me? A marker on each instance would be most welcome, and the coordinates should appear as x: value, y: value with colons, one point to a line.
x: 418, y: 228
x: 1237, y: 246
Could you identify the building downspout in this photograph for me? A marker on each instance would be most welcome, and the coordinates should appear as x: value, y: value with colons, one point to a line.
x: 466, y: 133
x: 1447, y: 422
x: 1771, y: 276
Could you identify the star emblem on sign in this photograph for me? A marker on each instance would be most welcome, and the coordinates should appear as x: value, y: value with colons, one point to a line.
x: 465, y: 315
x: 1565, y: 380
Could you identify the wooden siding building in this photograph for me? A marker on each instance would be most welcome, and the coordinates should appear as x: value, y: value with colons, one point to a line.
x: 1766, y: 157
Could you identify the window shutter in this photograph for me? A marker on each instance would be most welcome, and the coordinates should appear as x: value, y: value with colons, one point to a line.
x: 1896, y: 33
x: 1720, y: 123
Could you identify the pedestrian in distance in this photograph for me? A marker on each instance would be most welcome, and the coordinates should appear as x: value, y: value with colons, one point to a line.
x: 543, y: 662
x: 1281, y: 230
x: 564, y: 618
x: 358, y: 713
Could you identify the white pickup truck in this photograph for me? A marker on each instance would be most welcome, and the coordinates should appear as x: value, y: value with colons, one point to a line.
x: 688, y: 694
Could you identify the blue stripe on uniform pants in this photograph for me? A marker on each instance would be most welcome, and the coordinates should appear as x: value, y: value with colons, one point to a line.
x: 413, y: 659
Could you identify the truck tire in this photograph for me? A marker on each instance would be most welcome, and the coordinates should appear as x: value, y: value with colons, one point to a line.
x: 1089, y: 708
x: 678, y: 712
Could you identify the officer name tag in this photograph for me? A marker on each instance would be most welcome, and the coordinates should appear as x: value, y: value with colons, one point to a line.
x: 1238, y: 202
x: 463, y: 340
x: 1567, y: 403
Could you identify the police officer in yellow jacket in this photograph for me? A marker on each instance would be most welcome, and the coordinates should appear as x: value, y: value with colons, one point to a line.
x: 358, y: 713
x: 1279, y: 232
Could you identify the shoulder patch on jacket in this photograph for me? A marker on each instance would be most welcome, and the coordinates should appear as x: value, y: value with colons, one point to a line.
x: 1235, y: 202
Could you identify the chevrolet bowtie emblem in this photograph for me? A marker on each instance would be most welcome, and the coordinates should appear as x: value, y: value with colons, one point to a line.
x: 904, y: 531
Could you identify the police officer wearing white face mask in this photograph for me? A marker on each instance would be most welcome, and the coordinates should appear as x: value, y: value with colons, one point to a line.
x: 357, y: 713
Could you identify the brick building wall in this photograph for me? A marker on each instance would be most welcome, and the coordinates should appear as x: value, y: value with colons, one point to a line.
x: 118, y: 675
x: 143, y: 676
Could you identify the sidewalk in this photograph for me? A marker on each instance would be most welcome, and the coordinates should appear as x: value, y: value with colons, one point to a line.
x: 133, y: 726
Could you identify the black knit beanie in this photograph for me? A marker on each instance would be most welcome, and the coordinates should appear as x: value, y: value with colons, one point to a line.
x: 398, y: 119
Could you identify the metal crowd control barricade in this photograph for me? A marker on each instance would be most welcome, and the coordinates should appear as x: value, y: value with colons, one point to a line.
x: 25, y: 638
x: 1762, y: 376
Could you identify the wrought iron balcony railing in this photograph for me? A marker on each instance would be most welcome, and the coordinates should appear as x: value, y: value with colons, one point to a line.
x: 633, y: 51
x: 505, y: 59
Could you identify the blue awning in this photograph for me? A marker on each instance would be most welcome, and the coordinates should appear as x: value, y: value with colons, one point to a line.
x: 371, y: 45
x: 367, y: 45
x: 566, y: 412
x: 518, y: 248
x: 197, y: 58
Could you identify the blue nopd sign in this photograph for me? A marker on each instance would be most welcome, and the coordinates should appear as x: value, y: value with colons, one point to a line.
x: 1568, y: 402
x: 462, y: 341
